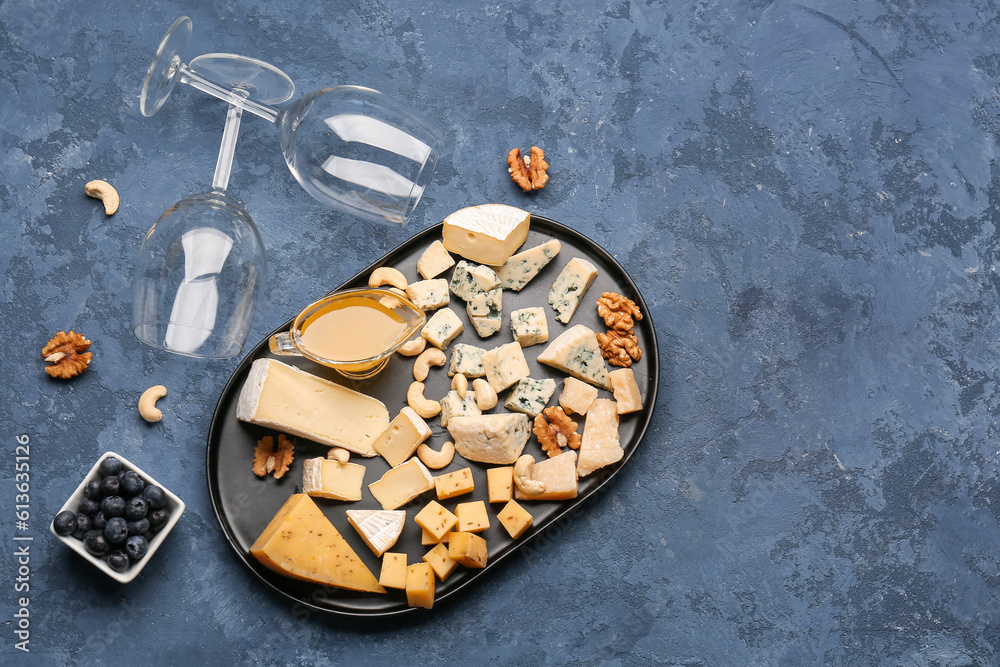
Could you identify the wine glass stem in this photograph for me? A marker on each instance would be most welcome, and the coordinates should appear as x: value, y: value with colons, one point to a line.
x: 224, y: 165
x: 193, y: 79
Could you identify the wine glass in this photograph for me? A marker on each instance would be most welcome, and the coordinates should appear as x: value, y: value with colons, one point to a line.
x: 202, y: 264
x: 350, y: 147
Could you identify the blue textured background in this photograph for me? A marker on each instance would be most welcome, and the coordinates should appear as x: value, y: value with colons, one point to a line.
x: 807, y: 196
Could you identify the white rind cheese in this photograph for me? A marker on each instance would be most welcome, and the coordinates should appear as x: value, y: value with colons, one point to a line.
x: 380, y: 529
x: 325, y: 478
x: 429, y: 294
x: 290, y: 400
x: 570, y: 286
x: 497, y: 438
x: 576, y: 352
x: 521, y: 268
x: 488, y: 233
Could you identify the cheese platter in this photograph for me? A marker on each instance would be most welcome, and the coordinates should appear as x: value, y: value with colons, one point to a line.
x: 525, y: 338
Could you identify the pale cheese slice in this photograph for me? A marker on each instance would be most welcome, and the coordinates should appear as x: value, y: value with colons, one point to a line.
x: 488, y: 233
x: 434, y: 261
x: 301, y: 543
x: 497, y: 438
x: 402, y: 437
x: 402, y: 484
x: 327, y: 478
x: 290, y: 400
x: 600, y: 445
x: 519, y: 270
x: 576, y: 352
x: 559, y: 476
x: 626, y: 390
x: 570, y: 286
x: 380, y: 529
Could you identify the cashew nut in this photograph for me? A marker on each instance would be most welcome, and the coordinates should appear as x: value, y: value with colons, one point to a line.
x: 424, y: 407
x: 105, y: 192
x: 435, y: 460
x: 339, y: 454
x: 486, y: 395
x: 422, y: 364
x: 412, y: 348
x: 147, y: 403
x: 386, y: 275
x: 522, y: 477
x: 460, y: 384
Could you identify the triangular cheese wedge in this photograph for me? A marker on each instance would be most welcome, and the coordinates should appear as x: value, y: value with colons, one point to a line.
x: 378, y: 528
x: 301, y: 543
x: 519, y: 270
x: 575, y: 351
x: 601, y: 445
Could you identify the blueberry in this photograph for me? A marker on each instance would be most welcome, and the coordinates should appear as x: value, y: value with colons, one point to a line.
x: 93, y: 489
x: 132, y: 484
x: 89, y: 506
x: 83, y: 525
x: 109, y: 466
x: 116, y: 530
x: 95, y: 543
x: 99, y: 520
x: 113, y: 506
x: 111, y: 485
x: 118, y: 561
x: 155, y: 496
x: 136, y: 508
x: 149, y: 535
x: 136, y: 547
x: 138, y: 527
x: 158, y: 519
x: 65, y: 522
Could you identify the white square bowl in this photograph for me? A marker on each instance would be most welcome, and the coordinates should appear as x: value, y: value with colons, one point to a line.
x: 175, y: 506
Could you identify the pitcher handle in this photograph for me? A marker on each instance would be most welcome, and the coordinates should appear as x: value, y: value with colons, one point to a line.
x: 282, y: 345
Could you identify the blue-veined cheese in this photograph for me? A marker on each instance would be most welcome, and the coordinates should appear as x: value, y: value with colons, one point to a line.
x: 467, y: 360
x: 519, y: 270
x: 505, y: 365
x: 576, y: 352
x: 470, y: 279
x: 485, y: 312
x: 529, y: 326
x: 488, y: 233
x: 429, y: 294
x: 570, y: 286
x: 454, y: 405
x: 530, y: 395
x: 442, y: 328
x: 495, y: 438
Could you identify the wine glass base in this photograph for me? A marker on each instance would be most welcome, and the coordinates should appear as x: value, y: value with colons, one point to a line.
x: 257, y: 80
x: 162, y: 74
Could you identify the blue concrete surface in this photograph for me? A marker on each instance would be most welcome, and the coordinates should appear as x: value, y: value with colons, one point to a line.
x: 807, y: 196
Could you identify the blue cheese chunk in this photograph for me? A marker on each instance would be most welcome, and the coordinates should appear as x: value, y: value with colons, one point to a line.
x: 519, y: 270
x: 529, y: 326
x: 530, y: 396
x: 454, y: 405
x: 467, y: 360
x: 570, y: 286
x: 485, y: 312
x: 470, y: 279
x: 429, y: 294
x: 505, y: 365
x: 497, y: 439
x: 442, y: 328
x: 576, y: 352
x: 486, y: 326
x: 434, y: 261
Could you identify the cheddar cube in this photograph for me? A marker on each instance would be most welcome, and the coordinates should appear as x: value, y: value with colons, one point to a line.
x: 440, y: 561
x: 515, y: 519
x: 420, y: 585
x: 454, y: 484
x: 468, y: 549
x: 436, y: 520
x: 426, y: 538
x: 501, y: 483
x: 393, y: 573
x: 472, y: 517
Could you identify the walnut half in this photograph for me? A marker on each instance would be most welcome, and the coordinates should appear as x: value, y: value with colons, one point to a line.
x: 67, y: 355
x: 558, y: 432
x: 529, y: 172
x: 620, y: 349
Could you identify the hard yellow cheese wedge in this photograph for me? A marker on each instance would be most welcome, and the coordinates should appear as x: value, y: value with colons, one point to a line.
x: 301, y: 543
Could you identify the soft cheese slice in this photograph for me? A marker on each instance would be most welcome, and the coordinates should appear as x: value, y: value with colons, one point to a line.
x: 327, y: 478
x: 287, y: 399
x: 378, y: 528
x: 434, y: 261
x: 559, y: 476
x: 600, y: 445
x: 626, y: 390
x: 301, y: 543
x: 402, y: 484
x: 506, y: 364
x: 488, y: 233
x: 497, y: 438
x: 518, y: 271
x: 570, y: 286
x: 576, y: 352
x: 400, y: 440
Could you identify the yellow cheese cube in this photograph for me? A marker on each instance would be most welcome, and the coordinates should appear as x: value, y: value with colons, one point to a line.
x: 468, y: 549
x: 401, y: 439
x: 393, y: 573
x: 440, y: 561
x: 426, y: 538
x: 454, y: 484
x: 472, y: 517
x: 515, y: 519
x: 436, y: 520
x: 420, y: 585
x: 501, y: 483
x: 626, y: 390
x: 402, y: 484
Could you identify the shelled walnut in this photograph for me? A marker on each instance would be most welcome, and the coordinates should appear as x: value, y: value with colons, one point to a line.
x: 557, y: 432
x: 618, y: 312
x: 620, y: 345
x: 67, y: 355
x: 620, y: 349
x: 270, y: 459
x: 529, y: 172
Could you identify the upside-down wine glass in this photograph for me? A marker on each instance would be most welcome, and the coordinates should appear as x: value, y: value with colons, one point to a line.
x: 350, y: 147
